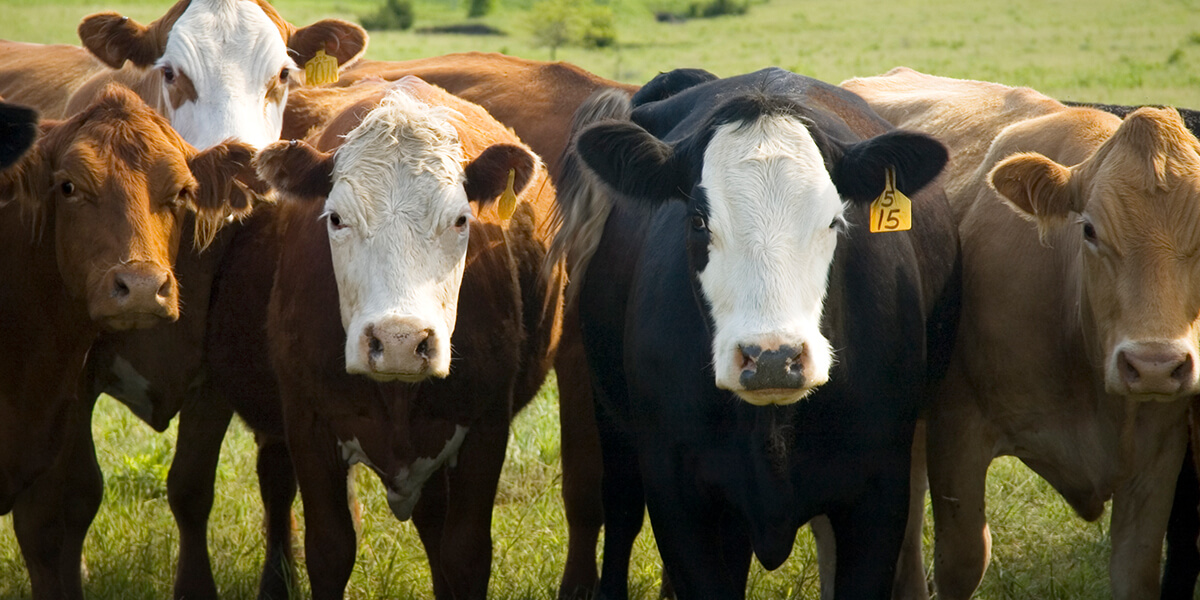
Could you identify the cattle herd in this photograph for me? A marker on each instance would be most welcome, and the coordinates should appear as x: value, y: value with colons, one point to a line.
x: 770, y: 301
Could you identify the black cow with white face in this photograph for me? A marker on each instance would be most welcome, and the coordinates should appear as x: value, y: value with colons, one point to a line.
x: 758, y: 356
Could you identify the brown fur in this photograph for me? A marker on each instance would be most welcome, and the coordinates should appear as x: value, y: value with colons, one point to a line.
x: 122, y: 211
x: 1040, y: 322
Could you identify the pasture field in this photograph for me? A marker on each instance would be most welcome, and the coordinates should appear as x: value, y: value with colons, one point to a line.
x: 1114, y: 51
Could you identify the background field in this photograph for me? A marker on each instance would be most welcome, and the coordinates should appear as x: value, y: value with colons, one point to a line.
x: 1115, y: 51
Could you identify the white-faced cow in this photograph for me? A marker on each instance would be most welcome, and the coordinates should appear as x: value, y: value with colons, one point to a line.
x: 90, y: 221
x: 407, y: 322
x: 759, y: 355
x: 1077, y: 350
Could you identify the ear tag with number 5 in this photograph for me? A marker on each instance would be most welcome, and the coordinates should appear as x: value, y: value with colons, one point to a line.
x: 892, y: 210
x: 321, y: 69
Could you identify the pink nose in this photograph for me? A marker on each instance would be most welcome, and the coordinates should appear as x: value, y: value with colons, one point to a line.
x: 399, y: 347
x: 1157, y: 368
x: 137, y: 294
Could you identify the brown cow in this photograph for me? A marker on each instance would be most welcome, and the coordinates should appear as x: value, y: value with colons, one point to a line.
x: 1077, y: 350
x: 376, y: 240
x: 92, y: 217
x: 217, y: 68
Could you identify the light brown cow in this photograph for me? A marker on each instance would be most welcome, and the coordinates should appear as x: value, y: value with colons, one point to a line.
x: 1077, y: 351
x: 90, y: 222
x: 217, y: 69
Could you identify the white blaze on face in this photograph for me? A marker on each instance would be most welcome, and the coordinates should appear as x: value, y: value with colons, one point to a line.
x: 226, y: 58
x: 398, y: 222
x: 771, y: 203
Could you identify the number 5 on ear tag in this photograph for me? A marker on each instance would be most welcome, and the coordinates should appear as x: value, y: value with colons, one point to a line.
x: 321, y: 69
x: 892, y: 210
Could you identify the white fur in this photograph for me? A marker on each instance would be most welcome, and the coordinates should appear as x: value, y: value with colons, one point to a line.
x: 398, y: 190
x: 232, y: 52
x: 770, y: 202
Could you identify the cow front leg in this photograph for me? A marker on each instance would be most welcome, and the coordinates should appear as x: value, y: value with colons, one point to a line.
x: 582, y: 465
x: 277, y: 485
x: 910, y: 581
x: 51, y: 519
x: 466, y: 553
x: 868, y: 535
x: 624, y: 504
x: 329, y: 537
x: 1140, y: 510
x: 203, y: 420
x: 1183, y: 528
x: 959, y: 450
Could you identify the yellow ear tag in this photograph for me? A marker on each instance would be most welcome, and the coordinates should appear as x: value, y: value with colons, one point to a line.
x: 508, y: 200
x: 321, y: 69
x: 892, y: 210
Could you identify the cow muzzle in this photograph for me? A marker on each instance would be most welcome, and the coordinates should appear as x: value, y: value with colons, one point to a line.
x: 779, y: 373
x: 135, y: 295
x: 400, y: 349
x: 1159, y: 370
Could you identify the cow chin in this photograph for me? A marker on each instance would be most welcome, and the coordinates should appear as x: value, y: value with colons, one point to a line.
x: 779, y: 397
x: 126, y: 322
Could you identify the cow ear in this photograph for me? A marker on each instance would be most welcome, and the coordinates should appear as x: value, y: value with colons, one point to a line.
x: 665, y: 85
x: 487, y: 175
x: 27, y: 180
x: 18, y: 130
x: 860, y: 172
x: 1038, y: 188
x: 113, y: 39
x: 631, y: 160
x: 297, y: 169
x: 340, y: 39
x: 222, y: 193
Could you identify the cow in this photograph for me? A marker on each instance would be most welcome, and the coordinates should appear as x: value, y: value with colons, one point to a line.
x: 1077, y: 347
x: 759, y: 356
x: 409, y: 162
x: 92, y: 218
x: 216, y: 68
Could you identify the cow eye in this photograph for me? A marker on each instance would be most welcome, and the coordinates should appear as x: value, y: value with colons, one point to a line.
x: 283, y: 75
x: 335, y: 221
x: 67, y: 188
x: 1089, y: 232
x: 461, y: 221
x: 168, y: 74
x: 698, y: 223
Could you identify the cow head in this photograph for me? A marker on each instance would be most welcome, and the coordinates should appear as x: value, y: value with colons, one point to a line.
x: 396, y: 197
x: 114, y: 183
x: 1135, y: 203
x: 224, y: 65
x: 766, y: 192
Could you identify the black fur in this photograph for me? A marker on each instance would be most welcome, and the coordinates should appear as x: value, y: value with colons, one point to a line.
x: 917, y: 159
x: 18, y: 130
x: 487, y: 175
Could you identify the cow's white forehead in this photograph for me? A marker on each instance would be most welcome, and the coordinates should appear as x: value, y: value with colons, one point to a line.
x: 226, y: 40
x: 765, y: 177
x: 402, y: 144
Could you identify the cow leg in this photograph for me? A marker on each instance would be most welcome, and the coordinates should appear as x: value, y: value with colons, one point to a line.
x: 959, y: 450
x: 52, y: 517
x: 582, y: 466
x: 910, y: 581
x: 910, y: 568
x: 868, y: 535
x: 329, y: 537
x: 624, y: 506
x: 203, y: 420
x: 429, y: 517
x: 277, y: 485
x: 1183, y: 527
x: 1140, y: 510
x: 704, y: 552
x: 467, y: 537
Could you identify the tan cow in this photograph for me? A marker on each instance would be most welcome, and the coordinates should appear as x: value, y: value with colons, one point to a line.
x: 1077, y: 350
x: 90, y: 223
x: 217, y: 69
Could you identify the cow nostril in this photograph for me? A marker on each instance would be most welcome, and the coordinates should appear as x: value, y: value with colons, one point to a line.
x: 1184, y: 371
x: 375, y: 346
x: 423, y: 348
x: 120, y: 289
x: 795, y: 364
x: 164, y: 290
x: 748, y: 356
x: 1128, y: 372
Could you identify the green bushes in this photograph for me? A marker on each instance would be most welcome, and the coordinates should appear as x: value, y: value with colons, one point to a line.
x: 394, y: 14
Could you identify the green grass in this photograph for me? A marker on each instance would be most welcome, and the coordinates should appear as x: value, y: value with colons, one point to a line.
x: 1107, y: 50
